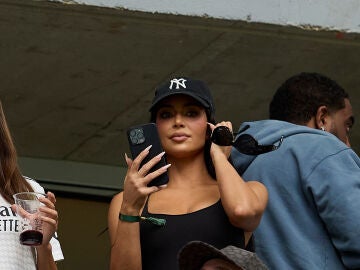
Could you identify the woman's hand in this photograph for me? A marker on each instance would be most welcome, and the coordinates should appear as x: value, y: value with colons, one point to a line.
x: 49, y: 216
x: 136, y: 180
x: 226, y: 150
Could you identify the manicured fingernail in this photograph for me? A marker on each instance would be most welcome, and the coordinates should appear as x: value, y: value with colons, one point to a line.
x: 161, y: 154
x: 148, y: 148
x: 167, y: 166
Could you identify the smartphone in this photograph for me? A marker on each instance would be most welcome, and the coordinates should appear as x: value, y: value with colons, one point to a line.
x: 139, y: 138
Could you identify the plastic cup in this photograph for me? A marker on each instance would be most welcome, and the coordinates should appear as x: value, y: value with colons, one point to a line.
x: 31, y: 225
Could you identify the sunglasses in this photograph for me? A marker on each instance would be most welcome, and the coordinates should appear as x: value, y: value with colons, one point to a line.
x: 245, y: 143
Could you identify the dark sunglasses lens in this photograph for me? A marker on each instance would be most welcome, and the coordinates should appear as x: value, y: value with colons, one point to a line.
x: 247, y: 145
x: 222, y: 135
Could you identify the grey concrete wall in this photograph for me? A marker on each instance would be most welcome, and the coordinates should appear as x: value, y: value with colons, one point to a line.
x: 324, y: 14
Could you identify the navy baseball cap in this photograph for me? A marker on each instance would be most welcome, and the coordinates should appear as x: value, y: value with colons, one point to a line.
x: 185, y: 86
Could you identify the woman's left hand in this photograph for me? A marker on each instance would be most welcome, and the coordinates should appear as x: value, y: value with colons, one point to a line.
x: 214, y: 147
x: 49, y: 217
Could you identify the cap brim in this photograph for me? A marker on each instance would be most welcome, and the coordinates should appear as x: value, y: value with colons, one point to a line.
x: 197, y: 98
x: 193, y: 255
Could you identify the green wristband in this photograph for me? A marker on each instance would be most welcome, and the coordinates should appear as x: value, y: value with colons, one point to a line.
x: 127, y: 218
x: 131, y: 219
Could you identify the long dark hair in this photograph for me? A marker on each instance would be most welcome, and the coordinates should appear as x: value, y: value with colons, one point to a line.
x: 208, y: 160
x: 11, y: 179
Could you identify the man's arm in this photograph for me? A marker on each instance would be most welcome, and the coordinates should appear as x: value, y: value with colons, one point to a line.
x: 335, y: 186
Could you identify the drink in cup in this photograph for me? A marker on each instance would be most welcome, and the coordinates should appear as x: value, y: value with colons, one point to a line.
x: 27, y: 208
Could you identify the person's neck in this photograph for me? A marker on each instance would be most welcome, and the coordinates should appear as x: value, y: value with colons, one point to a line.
x: 311, y: 123
x: 188, y: 172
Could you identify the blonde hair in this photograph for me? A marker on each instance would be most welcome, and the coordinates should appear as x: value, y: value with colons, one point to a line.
x: 11, y: 179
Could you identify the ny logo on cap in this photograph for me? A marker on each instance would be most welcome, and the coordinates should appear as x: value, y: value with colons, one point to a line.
x: 178, y: 83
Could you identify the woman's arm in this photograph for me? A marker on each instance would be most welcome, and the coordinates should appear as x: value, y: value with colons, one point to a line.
x: 125, y: 236
x: 45, y: 260
x: 244, y: 202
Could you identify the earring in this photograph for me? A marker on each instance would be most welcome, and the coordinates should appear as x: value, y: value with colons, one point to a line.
x: 322, y: 128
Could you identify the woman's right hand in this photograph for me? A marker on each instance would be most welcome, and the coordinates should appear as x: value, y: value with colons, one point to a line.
x: 216, y: 149
x: 136, y: 180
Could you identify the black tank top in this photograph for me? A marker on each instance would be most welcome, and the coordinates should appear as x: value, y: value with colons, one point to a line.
x: 160, y: 245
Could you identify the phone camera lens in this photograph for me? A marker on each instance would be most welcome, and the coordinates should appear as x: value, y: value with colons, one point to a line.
x: 137, y: 136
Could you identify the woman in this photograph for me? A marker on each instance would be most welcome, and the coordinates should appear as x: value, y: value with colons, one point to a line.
x: 205, y: 199
x: 13, y: 255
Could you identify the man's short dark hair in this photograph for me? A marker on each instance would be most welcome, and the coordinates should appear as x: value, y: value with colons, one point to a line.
x: 300, y: 96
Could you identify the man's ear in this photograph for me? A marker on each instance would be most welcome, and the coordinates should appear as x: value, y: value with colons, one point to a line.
x: 322, y: 117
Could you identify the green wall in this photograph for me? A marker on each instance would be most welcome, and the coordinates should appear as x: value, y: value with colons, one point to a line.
x: 81, y: 223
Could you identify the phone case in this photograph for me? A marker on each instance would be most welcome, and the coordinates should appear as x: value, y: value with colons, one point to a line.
x: 139, y: 138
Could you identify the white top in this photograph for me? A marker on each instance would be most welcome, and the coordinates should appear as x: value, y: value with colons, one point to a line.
x: 13, y: 255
